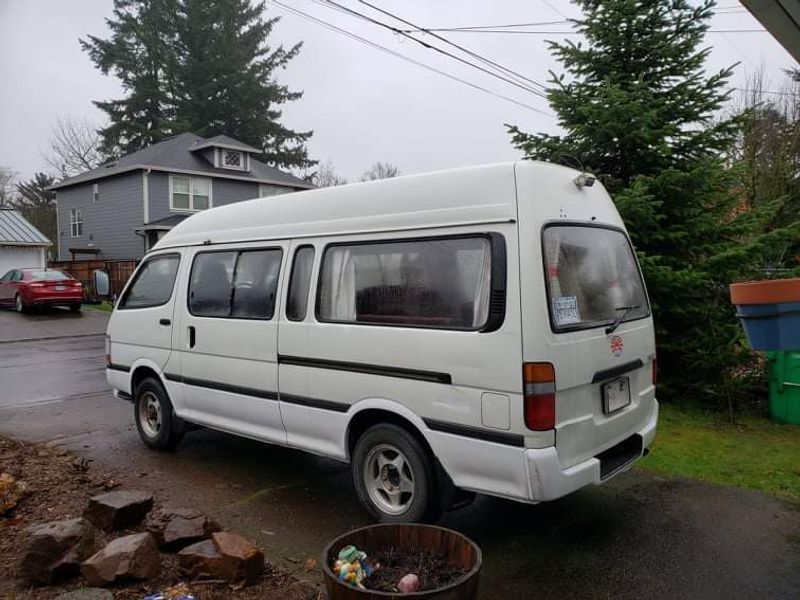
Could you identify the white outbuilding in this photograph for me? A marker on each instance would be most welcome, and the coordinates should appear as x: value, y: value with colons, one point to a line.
x: 21, y: 244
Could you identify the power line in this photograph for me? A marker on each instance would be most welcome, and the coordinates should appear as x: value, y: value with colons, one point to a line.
x: 457, y: 46
x: 437, y: 49
x: 377, y: 46
x: 504, y: 26
x: 561, y: 32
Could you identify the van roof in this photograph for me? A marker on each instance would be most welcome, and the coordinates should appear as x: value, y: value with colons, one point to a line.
x: 465, y: 196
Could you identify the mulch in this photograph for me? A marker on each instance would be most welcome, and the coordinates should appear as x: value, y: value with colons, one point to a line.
x: 432, y: 569
x: 60, y: 484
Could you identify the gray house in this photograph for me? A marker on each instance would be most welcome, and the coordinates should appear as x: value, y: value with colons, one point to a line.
x: 121, y: 209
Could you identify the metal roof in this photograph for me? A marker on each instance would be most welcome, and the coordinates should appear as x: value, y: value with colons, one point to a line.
x: 15, y: 230
x: 176, y: 154
x: 782, y: 19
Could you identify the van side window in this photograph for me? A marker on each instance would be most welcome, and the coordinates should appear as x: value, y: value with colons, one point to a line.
x: 154, y: 282
x: 300, y: 283
x: 440, y: 283
x: 238, y: 284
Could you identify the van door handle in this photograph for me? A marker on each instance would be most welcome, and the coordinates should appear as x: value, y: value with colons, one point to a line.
x: 164, y: 322
x: 191, y: 336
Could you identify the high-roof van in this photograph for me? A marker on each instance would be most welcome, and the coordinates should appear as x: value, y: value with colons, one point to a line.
x: 479, y: 330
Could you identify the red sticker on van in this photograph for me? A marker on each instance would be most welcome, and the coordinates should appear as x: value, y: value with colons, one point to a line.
x: 617, y: 345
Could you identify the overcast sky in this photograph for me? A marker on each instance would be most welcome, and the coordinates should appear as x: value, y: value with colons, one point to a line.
x: 363, y: 105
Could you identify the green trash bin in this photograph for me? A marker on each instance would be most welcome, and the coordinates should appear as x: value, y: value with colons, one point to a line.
x: 784, y: 386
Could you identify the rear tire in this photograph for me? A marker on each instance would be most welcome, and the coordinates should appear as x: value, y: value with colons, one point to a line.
x: 154, y: 416
x: 74, y: 307
x: 393, y: 475
x: 19, y: 304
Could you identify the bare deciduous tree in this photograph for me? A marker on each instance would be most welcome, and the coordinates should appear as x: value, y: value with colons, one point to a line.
x: 7, y: 190
x: 325, y: 176
x: 74, y: 147
x: 380, y: 170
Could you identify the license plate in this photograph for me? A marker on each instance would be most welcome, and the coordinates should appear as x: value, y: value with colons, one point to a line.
x: 60, y: 288
x: 616, y: 394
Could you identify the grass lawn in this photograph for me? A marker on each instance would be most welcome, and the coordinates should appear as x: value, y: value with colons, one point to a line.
x: 757, y: 453
x: 103, y: 306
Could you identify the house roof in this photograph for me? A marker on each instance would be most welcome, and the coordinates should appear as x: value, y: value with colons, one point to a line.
x: 165, y: 224
x: 782, y: 19
x: 15, y: 230
x: 223, y: 141
x: 176, y: 155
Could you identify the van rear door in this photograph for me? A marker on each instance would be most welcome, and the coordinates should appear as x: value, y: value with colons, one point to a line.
x: 585, y: 311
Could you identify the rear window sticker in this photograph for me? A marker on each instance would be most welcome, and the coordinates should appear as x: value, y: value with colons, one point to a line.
x: 565, y: 310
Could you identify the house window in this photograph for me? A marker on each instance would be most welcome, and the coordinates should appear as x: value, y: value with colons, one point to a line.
x: 75, y: 222
x: 233, y: 159
x: 189, y: 193
x: 265, y: 189
x: 95, y: 192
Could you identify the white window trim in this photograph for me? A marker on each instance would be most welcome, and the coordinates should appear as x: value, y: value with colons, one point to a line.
x: 75, y: 222
x: 95, y: 192
x: 191, y: 208
x: 242, y: 162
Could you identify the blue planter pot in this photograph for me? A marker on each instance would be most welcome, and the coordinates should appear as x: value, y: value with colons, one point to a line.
x: 771, y: 326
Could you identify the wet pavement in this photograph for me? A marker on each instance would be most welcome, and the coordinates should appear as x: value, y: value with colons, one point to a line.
x: 638, y: 536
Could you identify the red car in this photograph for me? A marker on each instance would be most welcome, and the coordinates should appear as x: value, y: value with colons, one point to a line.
x: 23, y: 288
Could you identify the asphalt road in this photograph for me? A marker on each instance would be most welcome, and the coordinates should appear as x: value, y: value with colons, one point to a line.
x: 638, y: 536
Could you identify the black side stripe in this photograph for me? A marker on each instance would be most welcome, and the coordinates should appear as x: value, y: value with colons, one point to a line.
x: 617, y: 371
x: 337, y: 365
x: 314, y: 402
x: 244, y: 391
x: 114, y: 367
x: 508, y: 439
x: 223, y: 387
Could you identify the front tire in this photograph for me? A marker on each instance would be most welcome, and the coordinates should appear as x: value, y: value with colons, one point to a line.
x: 155, y: 420
x: 393, y: 475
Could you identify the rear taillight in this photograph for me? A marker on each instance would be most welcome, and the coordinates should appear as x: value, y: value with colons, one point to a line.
x: 655, y: 371
x: 539, y: 381
x: 108, y: 351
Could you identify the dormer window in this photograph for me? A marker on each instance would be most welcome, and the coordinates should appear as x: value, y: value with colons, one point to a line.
x: 233, y: 159
x: 230, y: 158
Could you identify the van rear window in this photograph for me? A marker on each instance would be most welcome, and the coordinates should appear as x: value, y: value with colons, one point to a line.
x: 592, y: 277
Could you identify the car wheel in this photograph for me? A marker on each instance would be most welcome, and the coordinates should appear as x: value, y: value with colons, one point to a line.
x: 19, y: 304
x: 154, y: 416
x: 393, y: 475
x: 75, y: 307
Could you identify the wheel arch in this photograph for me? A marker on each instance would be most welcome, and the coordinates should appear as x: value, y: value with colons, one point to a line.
x: 367, y: 413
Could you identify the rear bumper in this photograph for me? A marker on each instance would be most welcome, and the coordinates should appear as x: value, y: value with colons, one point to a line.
x: 54, y: 299
x: 548, y: 481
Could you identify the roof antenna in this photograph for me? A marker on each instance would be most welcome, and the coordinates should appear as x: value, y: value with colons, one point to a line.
x: 584, y: 179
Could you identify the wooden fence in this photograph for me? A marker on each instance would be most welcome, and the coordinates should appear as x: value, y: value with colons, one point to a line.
x: 119, y: 271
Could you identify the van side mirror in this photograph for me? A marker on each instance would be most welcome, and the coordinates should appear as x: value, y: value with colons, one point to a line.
x: 102, y: 284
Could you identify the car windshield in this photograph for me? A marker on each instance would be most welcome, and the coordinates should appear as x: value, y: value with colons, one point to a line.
x: 592, y: 277
x: 47, y: 275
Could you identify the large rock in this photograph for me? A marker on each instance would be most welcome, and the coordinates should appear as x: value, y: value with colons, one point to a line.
x: 175, y: 528
x: 225, y: 556
x: 130, y: 557
x: 55, y: 550
x: 118, y: 510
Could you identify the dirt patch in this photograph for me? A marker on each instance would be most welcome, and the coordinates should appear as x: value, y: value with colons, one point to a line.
x: 432, y: 569
x: 60, y: 485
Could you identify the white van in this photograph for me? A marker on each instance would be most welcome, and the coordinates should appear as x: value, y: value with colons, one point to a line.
x: 476, y: 330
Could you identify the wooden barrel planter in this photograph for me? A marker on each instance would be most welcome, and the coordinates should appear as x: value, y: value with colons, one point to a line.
x: 770, y: 312
x: 458, y: 549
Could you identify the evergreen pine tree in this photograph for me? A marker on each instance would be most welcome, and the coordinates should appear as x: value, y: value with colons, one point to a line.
x: 194, y: 65
x: 38, y: 204
x: 140, y: 52
x: 226, y: 79
x: 640, y: 112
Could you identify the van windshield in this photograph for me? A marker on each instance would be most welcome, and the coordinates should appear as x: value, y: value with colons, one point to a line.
x: 592, y: 277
